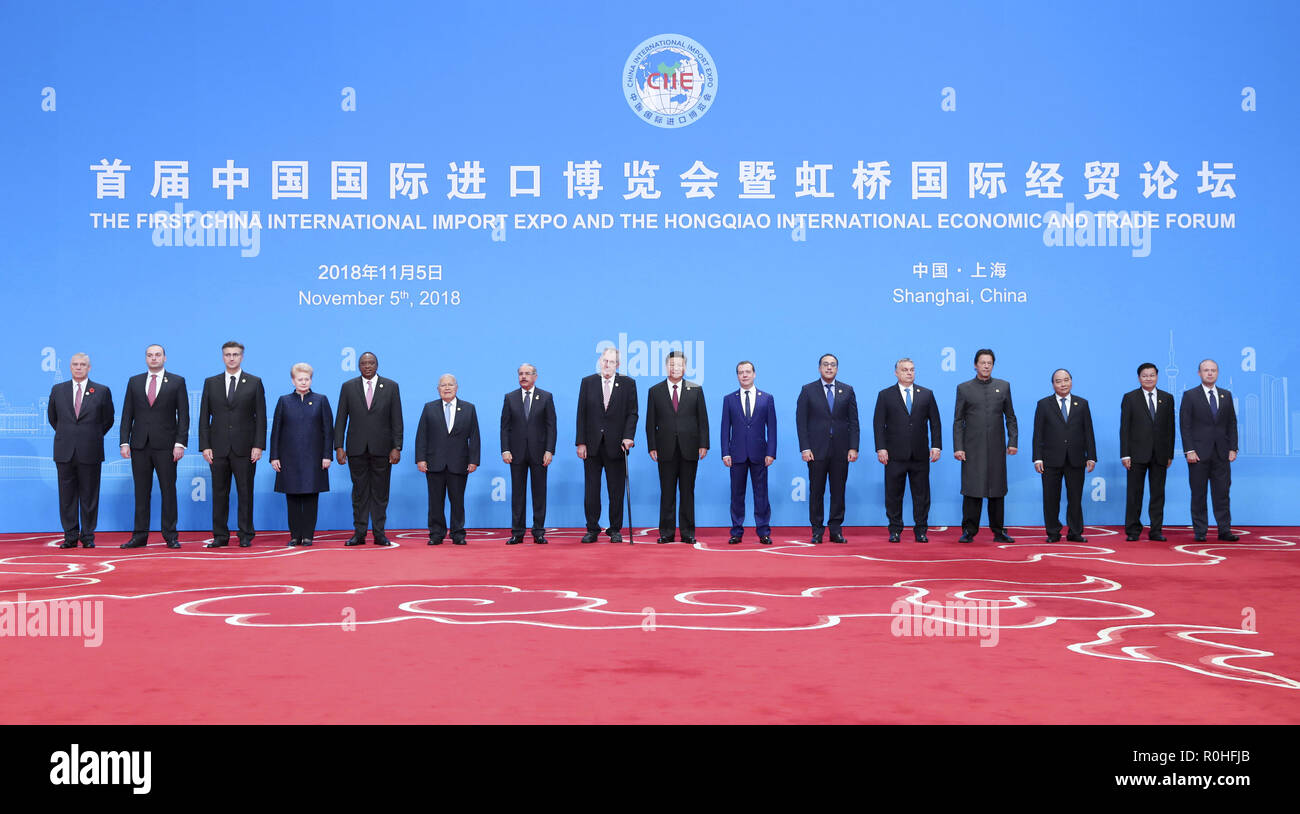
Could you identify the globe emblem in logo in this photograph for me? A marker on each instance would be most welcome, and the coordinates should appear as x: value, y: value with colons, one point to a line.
x: 670, y: 81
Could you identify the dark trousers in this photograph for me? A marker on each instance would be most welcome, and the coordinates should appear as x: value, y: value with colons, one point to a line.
x: 757, y: 474
x: 520, y: 473
x: 1074, y: 477
x: 79, y: 500
x: 1217, y: 475
x: 677, y: 477
x: 302, y: 515
x: 897, y: 472
x: 834, y: 468
x: 370, y: 478
x: 1137, y: 474
x: 243, y: 469
x: 970, y: 514
x: 144, y: 463
x: 615, y: 482
x: 446, y: 485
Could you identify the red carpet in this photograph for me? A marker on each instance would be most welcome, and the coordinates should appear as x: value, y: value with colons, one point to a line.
x: 1103, y: 632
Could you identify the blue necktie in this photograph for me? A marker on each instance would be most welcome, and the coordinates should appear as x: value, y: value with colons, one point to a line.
x: 748, y: 412
x: 907, y: 397
x: 830, y: 397
x: 1214, y: 406
x: 1064, y: 412
x: 528, y: 402
x: 446, y: 412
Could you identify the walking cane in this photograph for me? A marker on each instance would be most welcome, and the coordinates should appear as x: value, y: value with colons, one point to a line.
x: 627, y: 489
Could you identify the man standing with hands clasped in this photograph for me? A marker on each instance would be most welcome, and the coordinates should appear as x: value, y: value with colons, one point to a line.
x: 1146, y: 448
x: 1064, y: 447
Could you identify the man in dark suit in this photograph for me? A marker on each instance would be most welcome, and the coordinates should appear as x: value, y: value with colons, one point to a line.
x: 1064, y: 447
x: 446, y: 451
x: 749, y: 448
x: 607, y: 415
x: 527, y: 445
x: 155, y: 426
x: 1208, y: 422
x: 81, y: 413
x: 1146, y: 448
x: 826, y: 420
x: 677, y: 433
x: 368, y: 429
x: 983, y: 405
x: 908, y: 440
x: 232, y: 435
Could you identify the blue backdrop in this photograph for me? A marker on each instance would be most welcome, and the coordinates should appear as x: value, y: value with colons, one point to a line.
x: 1022, y: 109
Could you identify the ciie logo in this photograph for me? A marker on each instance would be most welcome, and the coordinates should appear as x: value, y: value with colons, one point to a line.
x: 640, y: 357
x: 53, y: 618
x: 76, y: 767
x: 961, y: 619
x: 670, y: 81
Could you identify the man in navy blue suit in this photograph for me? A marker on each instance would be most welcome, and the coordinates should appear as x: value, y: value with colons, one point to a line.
x: 749, y: 448
x: 81, y: 413
x: 1209, y: 428
x: 447, y: 451
x: 904, y: 412
x: 826, y: 419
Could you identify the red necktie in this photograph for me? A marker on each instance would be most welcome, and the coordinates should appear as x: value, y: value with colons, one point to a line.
x: 76, y: 402
x: 153, y: 387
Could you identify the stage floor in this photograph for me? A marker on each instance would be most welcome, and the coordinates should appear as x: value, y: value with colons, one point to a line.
x: 1101, y: 632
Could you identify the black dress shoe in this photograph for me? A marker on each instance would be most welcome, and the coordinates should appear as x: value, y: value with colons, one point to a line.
x: 435, y: 541
x: 133, y: 544
x: 87, y: 545
x: 921, y: 538
x: 65, y: 544
x: 215, y: 544
x: 660, y: 540
x: 173, y: 544
x: 515, y: 540
x: 589, y: 537
x: 293, y: 541
x: 1076, y: 538
x: 305, y: 541
x: 1157, y: 536
x: 764, y: 540
x: 245, y: 543
x: 1229, y: 537
x: 836, y: 537
x: 616, y: 537
x: 817, y: 537
x: 1053, y: 538
x: 966, y: 538
x: 540, y: 540
x: 1130, y: 538
x: 733, y: 541
x: 894, y: 537
x: 383, y: 541
x: 1002, y: 537
x: 689, y: 540
x: 1200, y: 538
x: 355, y: 540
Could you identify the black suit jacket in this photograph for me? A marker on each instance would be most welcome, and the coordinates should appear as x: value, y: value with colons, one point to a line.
x: 905, y: 435
x: 234, y: 428
x: 528, y: 438
x: 80, y: 438
x: 818, y: 429
x: 682, y: 432
x: 441, y: 450
x: 1141, y: 439
x: 595, y: 422
x: 162, y: 425
x: 1057, y: 443
x: 376, y: 430
x: 1202, y: 434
